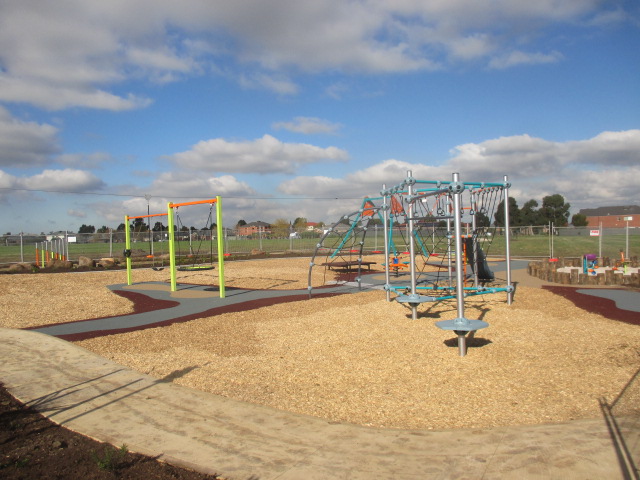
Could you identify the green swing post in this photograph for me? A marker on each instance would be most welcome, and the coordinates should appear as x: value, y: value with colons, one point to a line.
x: 220, y: 233
x: 172, y: 247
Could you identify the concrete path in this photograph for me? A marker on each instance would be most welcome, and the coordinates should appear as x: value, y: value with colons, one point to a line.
x: 104, y: 400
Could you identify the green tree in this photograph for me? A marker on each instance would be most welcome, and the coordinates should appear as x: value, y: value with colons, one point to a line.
x: 579, y: 220
x: 120, y: 228
x: 280, y: 228
x: 158, y: 227
x: 482, y: 220
x: 555, y: 209
x: 514, y: 213
x: 139, y: 225
x: 87, y: 229
x: 300, y: 223
x: 241, y: 223
x: 529, y: 214
x: 103, y: 229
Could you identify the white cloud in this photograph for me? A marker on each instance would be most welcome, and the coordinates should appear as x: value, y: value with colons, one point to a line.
x: 56, y: 97
x: 181, y: 186
x: 76, y: 213
x: 279, y: 84
x: 366, y: 182
x: 67, y: 180
x: 25, y: 144
x: 602, y: 170
x: 64, y: 54
x: 309, y: 126
x: 263, y: 155
x: 516, y: 58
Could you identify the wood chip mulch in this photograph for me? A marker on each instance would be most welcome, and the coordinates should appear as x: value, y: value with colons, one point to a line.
x: 358, y: 358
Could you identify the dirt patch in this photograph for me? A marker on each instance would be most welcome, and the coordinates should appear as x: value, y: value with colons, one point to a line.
x: 32, y: 446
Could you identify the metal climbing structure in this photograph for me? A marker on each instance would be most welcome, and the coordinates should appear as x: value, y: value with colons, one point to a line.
x: 440, y: 249
x: 342, y: 245
x: 440, y: 231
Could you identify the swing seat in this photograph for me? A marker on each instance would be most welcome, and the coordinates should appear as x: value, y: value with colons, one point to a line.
x: 195, y: 268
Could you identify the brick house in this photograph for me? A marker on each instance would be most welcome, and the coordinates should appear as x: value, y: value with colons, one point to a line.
x: 254, y: 228
x: 613, y: 217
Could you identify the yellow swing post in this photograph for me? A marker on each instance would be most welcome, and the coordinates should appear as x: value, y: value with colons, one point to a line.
x: 220, y: 234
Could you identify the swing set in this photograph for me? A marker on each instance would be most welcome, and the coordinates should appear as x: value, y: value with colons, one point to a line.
x: 173, y: 208
x: 127, y: 248
x: 172, y: 211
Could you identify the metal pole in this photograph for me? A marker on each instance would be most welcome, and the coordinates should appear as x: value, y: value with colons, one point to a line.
x: 387, y: 254
x: 412, y: 248
x: 127, y: 246
x: 600, y: 232
x: 507, y: 240
x: 147, y: 198
x: 21, y: 251
x: 476, y: 240
x: 375, y: 237
x: 627, y: 243
x: 457, y: 227
x: 449, y: 239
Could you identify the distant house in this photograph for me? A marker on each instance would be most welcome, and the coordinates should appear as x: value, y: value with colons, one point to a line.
x: 254, y: 228
x: 613, y: 217
x: 311, y: 226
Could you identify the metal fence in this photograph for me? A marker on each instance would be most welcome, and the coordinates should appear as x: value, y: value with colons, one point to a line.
x: 530, y: 241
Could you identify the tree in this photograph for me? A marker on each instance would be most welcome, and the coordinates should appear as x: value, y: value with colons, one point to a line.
x: 482, y: 220
x: 103, y: 229
x: 300, y: 223
x: 241, y: 223
x: 280, y: 228
x: 158, y: 227
x: 554, y: 209
x: 579, y: 220
x: 529, y: 214
x: 514, y: 213
x: 120, y: 228
x: 139, y: 225
x: 87, y: 229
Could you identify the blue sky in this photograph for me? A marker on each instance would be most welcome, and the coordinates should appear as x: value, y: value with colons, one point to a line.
x: 293, y: 108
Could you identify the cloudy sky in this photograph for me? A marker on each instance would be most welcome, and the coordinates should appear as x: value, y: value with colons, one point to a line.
x: 292, y: 108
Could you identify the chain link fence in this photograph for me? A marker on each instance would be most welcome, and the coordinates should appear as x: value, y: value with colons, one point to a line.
x: 529, y: 242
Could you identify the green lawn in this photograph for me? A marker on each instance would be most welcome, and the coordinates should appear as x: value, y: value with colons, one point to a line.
x: 521, y: 246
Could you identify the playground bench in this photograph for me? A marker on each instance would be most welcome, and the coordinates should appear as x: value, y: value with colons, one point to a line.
x: 347, y: 265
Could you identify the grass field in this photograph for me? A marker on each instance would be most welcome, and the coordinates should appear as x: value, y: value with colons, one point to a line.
x: 521, y: 246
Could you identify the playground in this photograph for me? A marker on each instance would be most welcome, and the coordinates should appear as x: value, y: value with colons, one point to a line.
x: 352, y: 357
x: 433, y: 340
